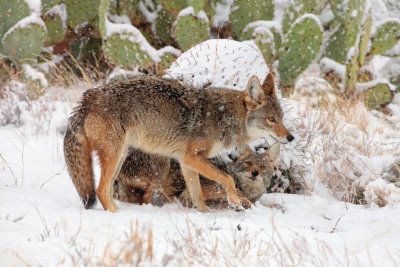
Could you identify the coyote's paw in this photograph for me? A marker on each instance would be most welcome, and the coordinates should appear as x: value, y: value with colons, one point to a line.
x: 236, y: 207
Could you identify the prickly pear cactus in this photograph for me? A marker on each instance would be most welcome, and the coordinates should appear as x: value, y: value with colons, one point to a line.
x: 245, y: 11
x: 264, y: 39
x: 385, y: 37
x: 336, y: 48
x: 174, y: 6
x: 167, y: 56
x: 122, y: 51
x: 350, y: 15
x: 352, y: 68
x: 55, y: 29
x: 103, y: 9
x: 81, y: 11
x: 25, y: 40
x: 190, y: 29
x: 10, y: 13
x: 49, y: 4
x: 299, y: 48
x: 163, y: 27
x: 298, y: 8
x: 378, y: 96
x: 364, y: 38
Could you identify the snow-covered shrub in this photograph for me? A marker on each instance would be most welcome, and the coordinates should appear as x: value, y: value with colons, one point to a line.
x: 229, y: 64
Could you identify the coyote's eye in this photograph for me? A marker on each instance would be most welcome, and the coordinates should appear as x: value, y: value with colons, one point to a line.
x: 271, y: 119
x: 263, y: 168
x: 247, y: 163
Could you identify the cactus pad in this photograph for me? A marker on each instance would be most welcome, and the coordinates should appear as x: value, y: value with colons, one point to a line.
x: 81, y: 11
x: 364, y: 39
x: 123, y: 52
x: 385, y: 37
x: 245, y: 11
x: 352, y: 68
x: 189, y: 29
x: 49, y: 4
x: 55, y: 29
x: 299, y: 48
x: 378, y: 96
x: 25, y: 40
x: 10, y: 13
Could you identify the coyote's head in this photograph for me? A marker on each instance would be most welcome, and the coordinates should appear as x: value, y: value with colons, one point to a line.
x: 264, y: 111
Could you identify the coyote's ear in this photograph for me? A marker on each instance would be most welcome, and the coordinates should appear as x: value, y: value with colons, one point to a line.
x: 243, y: 150
x: 268, y: 85
x: 254, y: 94
x: 273, y: 152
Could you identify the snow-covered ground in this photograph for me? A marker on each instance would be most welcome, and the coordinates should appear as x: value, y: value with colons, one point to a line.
x: 43, y: 222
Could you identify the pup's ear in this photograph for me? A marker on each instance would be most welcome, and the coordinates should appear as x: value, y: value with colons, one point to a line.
x: 268, y: 85
x: 273, y: 152
x: 243, y: 150
x: 254, y: 94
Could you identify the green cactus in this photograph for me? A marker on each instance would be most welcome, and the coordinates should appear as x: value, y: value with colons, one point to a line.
x: 352, y: 68
x: 336, y: 48
x: 81, y: 11
x: 385, y: 37
x: 24, y: 43
x: 189, y: 30
x: 245, y: 11
x: 55, y: 29
x: 298, y: 8
x: 166, y: 60
x: 264, y: 39
x: 163, y: 27
x: 267, y: 27
x: 364, y: 39
x: 174, y: 6
x: 378, y: 96
x: 10, y: 13
x: 346, y: 34
x: 121, y: 51
x: 49, y: 4
x: 300, y: 46
x: 103, y: 9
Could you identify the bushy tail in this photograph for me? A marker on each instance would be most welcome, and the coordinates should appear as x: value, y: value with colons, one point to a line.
x: 79, y: 159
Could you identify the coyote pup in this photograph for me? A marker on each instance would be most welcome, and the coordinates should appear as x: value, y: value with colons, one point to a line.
x: 252, y: 173
x: 171, y: 119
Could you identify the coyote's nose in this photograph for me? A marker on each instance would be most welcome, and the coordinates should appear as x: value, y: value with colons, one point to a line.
x: 254, y: 173
x: 290, y: 138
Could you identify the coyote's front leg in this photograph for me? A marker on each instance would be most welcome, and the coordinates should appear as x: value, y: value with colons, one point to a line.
x: 194, y: 159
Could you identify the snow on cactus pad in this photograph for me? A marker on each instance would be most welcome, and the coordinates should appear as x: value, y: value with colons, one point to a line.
x: 219, y: 63
x: 229, y: 64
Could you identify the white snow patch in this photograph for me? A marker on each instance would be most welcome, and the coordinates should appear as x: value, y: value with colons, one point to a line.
x: 34, y: 5
x: 34, y: 75
x: 381, y: 193
x: 222, y: 12
x: 264, y: 24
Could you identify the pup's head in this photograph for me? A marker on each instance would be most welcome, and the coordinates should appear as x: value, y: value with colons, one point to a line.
x: 253, y: 171
x: 264, y: 111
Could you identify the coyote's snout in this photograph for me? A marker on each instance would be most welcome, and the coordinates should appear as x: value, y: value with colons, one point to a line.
x: 168, y: 118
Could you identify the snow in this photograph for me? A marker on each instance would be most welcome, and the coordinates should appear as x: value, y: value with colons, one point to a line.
x: 309, y: 16
x: 35, y: 6
x: 43, y: 221
x: 264, y: 24
x: 205, y: 64
x: 34, y: 75
x: 222, y: 12
x: 189, y: 11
